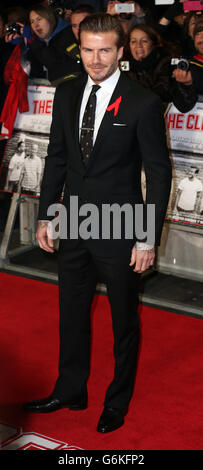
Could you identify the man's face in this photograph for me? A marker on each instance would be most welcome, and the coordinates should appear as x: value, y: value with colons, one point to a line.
x: 100, y: 54
x: 34, y: 149
x: 76, y: 19
x: 198, y: 41
x: 21, y: 147
x: 191, y: 173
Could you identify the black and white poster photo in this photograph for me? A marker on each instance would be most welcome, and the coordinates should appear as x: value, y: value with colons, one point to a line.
x: 23, y: 164
x: 186, y: 200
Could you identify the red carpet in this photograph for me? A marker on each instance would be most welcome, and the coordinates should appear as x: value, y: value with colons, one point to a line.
x: 166, y: 411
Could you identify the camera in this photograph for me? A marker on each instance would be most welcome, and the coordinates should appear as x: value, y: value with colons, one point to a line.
x: 13, y: 28
x: 182, y: 64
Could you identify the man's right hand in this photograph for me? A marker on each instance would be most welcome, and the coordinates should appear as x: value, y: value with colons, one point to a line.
x: 43, y: 238
x: 183, y: 76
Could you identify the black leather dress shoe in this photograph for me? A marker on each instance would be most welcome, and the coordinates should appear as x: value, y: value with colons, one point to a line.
x: 110, y: 419
x: 46, y: 405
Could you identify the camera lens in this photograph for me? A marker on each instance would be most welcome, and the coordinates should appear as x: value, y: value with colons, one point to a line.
x: 183, y: 64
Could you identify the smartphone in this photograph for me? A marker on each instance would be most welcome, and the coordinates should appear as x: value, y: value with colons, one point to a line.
x: 124, y: 8
x: 192, y: 6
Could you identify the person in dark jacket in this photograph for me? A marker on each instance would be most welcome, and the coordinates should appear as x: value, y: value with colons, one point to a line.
x: 188, y: 47
x: 188, y: 84
x: 54, y: 44
x: 171, y: 25
x: 149, y: 61
x: 19, y: 16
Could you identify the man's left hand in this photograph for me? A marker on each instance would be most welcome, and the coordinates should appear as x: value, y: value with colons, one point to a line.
x: 142, y: 259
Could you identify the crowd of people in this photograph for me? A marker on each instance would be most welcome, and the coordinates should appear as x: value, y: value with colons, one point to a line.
x: 48, y: 37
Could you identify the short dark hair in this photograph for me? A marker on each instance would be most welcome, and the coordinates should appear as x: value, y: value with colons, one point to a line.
x: 103, y: 23
x: 84, y: 9
x: 194, y: 168
x: 20, y: 143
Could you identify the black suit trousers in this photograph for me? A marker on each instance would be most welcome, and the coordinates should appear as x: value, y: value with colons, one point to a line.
x: 79, y: 269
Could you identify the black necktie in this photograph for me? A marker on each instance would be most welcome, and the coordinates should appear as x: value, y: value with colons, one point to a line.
x: 87, y: 129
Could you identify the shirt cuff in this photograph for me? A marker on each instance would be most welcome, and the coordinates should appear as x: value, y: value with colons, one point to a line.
x: 143, y: 246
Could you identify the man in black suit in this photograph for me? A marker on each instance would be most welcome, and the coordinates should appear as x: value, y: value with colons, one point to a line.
x: 127, y: 130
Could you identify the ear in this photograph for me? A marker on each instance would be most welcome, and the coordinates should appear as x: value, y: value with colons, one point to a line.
x: 120, y: 52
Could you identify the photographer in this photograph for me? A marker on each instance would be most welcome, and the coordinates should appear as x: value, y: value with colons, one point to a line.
x: 17, y: 32
x: 188, y: 84
x: 15, y: 69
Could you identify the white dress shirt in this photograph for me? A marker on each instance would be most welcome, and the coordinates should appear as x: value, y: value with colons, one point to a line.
x: 103, y: 98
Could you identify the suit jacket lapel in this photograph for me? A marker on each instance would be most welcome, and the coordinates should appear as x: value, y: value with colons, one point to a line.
x: 121, y: 90
x: 75, y: 113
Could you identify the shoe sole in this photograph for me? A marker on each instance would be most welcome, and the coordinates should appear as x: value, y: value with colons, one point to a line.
x: 70, y: 407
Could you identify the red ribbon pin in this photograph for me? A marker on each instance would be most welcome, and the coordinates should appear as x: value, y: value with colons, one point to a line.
x: 115, y: 106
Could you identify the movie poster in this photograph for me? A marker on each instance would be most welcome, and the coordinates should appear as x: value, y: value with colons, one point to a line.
x: 185, y: 131
x: 23, y: 163
x: 24, y: 156
x: 186, y: 200
x: 185, y: 141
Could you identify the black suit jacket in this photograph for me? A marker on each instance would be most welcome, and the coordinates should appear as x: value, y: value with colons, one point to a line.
x: 113, y: 173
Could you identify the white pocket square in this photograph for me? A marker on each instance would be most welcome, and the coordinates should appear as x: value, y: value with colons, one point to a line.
x: 119, y: 124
